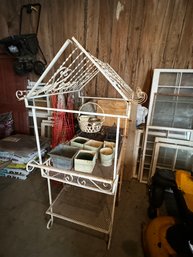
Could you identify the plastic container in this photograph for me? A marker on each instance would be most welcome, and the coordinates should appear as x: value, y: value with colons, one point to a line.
x: 63, y: 155
x: 79, y: 142
x: 85, y: 161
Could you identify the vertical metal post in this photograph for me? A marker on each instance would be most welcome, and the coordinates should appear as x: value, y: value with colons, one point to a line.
x: 116, y: 148
x: 112, y: 217
x: 51, y: 220
x: 37, y: 134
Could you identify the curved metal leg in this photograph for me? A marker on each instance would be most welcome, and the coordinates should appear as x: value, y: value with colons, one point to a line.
x: 109, y: 240
x: 50, y: 223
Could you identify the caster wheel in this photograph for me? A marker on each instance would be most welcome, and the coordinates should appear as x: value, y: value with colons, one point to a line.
x: 19, y: 68
x: 39, y: 67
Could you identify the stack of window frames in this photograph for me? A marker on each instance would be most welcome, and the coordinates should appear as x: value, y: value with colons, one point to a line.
x: 170, y: 117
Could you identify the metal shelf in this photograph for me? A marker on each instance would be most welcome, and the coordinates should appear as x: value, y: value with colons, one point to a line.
x: 101, y: 179
x: 83, y: 207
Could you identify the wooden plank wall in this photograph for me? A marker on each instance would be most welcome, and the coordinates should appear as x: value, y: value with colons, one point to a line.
x: 134, y: 36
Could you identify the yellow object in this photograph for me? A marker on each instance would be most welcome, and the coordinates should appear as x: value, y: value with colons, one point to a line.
x: 184, y: 182
x: 11, y: 165
x: 154, y: 237
x: 16, y: 166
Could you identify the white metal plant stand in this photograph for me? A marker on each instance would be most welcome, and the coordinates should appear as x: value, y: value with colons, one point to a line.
x: 89, y: 199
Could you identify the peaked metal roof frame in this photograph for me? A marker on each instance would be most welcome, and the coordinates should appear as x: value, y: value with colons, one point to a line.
x: 78, y: 69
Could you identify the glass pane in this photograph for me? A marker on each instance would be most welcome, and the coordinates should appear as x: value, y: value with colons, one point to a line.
x: 163, y: 114
x: 163, y: 98
x: 184, y: 160
x: 183, y: 116
x: 168, y: 79
x: 173, y: 111
x: 186, y: 91
x: 184, y: 135
x: 166, y: 90
x: 166, y: 157
x: 187, y: 79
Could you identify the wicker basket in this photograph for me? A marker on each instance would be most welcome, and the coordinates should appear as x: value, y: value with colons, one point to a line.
x: 90, y: 123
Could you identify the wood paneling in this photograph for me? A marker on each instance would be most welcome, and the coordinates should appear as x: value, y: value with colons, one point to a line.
x: 9, y: 84
x: 134, y: 36
x: 113, y: 107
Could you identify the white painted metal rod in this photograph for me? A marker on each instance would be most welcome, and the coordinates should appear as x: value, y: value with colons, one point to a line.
x: 61, y: 66
x: 94, y: 73
x: 37, y: 135
x: 116, y: 149
x: 78, y: 222
x: 77, y: 112
x: 50, y: 66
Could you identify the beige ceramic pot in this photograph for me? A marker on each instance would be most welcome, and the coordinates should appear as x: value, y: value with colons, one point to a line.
x: 106, y: 156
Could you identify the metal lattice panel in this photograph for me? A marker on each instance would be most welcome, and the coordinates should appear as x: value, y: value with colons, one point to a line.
x: 83, y: 207
x: 75, y: 72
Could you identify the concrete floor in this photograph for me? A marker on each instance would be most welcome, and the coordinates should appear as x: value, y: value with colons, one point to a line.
x: 23, y: 223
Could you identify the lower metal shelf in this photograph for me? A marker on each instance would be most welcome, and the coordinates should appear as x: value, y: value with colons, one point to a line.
x: 84, y: 207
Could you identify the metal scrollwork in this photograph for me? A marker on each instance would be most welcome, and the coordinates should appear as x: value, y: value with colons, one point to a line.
x: 105, y: 185
x: 68, y: 178
x: 81, y: 181
x: 29, y: 166
x: 20, y: 94
x: 140, y: 96
x: 101, y: 186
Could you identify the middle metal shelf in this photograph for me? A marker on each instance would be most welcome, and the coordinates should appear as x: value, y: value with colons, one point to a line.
x: 101, y: 179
